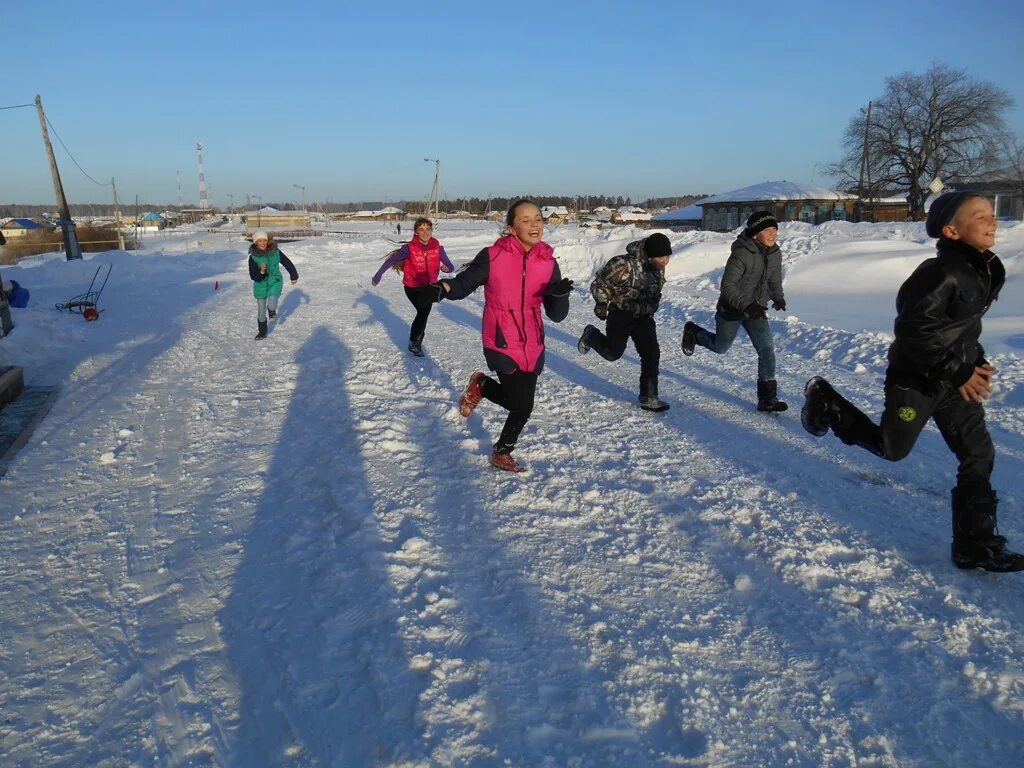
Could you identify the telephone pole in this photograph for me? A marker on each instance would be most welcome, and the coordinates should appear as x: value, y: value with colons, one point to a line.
x: 71, y: 248
x: 117, y: 216
x: 434, y: 191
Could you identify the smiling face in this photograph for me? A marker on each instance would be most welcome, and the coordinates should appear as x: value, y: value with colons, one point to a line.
x: 974, y: 224
x: 424, y: 232
x: 262, y: 243
x: 527, y: 225
x: 767, y: 236
x: 660, y: 262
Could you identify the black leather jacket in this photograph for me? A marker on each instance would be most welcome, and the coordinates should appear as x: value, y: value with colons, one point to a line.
x: 938, y: 317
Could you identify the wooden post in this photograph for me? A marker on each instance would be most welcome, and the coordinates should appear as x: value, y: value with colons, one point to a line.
x: 71, y: 247
x: 117, y: 216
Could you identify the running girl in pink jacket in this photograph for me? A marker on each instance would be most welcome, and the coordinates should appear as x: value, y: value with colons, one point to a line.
x: 520, y: 276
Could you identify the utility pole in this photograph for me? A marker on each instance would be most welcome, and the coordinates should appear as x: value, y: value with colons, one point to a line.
x: 863, y: 165
x: 299, y: 186
x: 71, y: 248
x: 117, y: 216
x: 434, y: 191
x: 231, y: 201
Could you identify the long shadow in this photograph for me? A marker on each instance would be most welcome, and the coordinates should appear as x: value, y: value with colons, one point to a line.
x: 311, y: 627
x: 293, y: 299
x: 514, y: 635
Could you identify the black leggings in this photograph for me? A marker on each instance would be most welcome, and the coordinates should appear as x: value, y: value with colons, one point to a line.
x: 423, y: 300
x: 514, y: 392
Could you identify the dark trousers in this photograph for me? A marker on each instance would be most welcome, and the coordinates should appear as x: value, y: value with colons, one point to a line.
x: 619, y: 329
x: 961, y: 424
x: 515, y: 393
x: 423, y: 300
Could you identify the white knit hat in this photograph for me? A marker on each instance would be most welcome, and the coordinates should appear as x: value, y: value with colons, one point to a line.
x: 259, y: 234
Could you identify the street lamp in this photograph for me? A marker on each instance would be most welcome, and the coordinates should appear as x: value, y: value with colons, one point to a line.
x: 299, y: 186
x: 434, y: 190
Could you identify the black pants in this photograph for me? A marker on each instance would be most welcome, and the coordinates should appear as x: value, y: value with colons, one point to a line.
x: 961, y: 424
x: 514, y: 392
x: 620, y: 328
x: 423, y: 300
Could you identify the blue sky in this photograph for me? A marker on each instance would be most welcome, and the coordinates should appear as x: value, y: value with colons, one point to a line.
x: 348, y: 98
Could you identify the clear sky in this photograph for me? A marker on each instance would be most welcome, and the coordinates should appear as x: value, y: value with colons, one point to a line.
x: 347, y: 98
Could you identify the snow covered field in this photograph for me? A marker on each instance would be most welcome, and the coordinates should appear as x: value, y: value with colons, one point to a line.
x: 293, y: 553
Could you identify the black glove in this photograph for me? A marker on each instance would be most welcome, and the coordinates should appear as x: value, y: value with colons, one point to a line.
x: 779, y: 306
x: 562, y: 288
x: 755, y: 311
x: 601, y: 310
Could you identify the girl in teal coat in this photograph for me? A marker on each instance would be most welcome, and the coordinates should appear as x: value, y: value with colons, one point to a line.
x: 265, y: 262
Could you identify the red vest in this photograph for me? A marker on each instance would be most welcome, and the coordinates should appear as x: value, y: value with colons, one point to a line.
x: 423, y: 264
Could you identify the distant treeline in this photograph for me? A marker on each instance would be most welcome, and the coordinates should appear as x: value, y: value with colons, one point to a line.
x: 474, y: 205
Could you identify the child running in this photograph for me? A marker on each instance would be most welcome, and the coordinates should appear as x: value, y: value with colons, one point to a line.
x: 519, y: 275
x: 265, y: 262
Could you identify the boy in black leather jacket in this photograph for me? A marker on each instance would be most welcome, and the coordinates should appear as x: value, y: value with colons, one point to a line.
x: 937, y: 369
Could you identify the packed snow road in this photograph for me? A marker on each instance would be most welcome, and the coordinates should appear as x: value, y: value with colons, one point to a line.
x: 293, y: 552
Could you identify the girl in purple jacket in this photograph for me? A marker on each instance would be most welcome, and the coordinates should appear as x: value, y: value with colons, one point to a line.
x: 519, y: 275
x: 419, y: 261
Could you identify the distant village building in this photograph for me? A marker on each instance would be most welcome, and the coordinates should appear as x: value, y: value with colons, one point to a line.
x: 630, y: 214
x: 195, y: 215
x: 893, y: 208
x: 554, y: 214
x: 19, y: 227
x: 680, y: 219
x: 152, y: 222
x: 787, y: 201
x: 269, y: 217
x: 1003, y: 188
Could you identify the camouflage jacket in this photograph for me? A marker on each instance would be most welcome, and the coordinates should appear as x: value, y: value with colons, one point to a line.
x: 629, y: 283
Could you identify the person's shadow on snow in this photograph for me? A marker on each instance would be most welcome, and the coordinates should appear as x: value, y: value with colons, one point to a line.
x: 292, y: 299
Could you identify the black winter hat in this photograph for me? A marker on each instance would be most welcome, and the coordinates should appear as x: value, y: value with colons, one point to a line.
x: 657, y: 245
x: 942, y: 211
x: 759, y: 220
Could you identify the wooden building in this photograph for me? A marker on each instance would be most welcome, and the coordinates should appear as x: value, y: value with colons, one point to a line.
x: 787, y: 201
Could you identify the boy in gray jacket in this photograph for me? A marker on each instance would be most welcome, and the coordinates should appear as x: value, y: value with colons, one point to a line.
x: 753, y: 274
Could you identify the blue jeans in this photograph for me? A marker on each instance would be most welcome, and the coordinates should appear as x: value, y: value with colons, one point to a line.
x: 262, y: 306
x: 760, y: 333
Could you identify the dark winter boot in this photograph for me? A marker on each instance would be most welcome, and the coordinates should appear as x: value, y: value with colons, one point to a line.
x: 271, y: 315
x: 262, y: 325
x: 976, y: 541
x: 649, y: 399
x: 416, y: 346
x: 689, y: 342
x: 826, y: 409
x: 767, y: 397
x: 586, y: 339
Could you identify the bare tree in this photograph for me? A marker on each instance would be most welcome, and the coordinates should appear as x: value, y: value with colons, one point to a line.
x: 938, y: 124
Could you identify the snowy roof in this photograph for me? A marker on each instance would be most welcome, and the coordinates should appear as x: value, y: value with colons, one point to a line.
x: 777, y: 190
x: 631, y: 209
x: 553, y: 210
x: 689, y: 213
x: 391, y: 209
x: 268, y: 209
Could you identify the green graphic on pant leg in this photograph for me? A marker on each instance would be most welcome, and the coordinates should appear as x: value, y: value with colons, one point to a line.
x: 906, y: 413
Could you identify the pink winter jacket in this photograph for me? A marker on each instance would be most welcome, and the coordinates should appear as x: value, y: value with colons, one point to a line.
x: 517, y: 284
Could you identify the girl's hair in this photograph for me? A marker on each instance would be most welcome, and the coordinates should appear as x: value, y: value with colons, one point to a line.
x: 421, y: 220
x: 510, y: 217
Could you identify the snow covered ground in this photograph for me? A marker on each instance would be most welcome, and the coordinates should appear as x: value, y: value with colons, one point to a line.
x: 293, y: 553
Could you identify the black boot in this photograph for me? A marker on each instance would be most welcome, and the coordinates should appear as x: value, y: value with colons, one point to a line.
x: 689, y: 342
x: 976, y: 541
x: 649, y: 399
x: 586, y: 339
x: 416, y: 346
x: 767, y: 397
x: 262, y: 325
x: 826, y: 409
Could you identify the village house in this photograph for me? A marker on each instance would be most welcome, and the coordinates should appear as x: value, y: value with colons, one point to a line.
x: 787, y: 201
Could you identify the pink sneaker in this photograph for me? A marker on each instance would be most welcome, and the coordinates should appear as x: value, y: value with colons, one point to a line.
x: 506, y: 462
x: 472, y: 395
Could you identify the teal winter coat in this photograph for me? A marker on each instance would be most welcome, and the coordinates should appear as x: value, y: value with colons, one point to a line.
x: 269, y: 283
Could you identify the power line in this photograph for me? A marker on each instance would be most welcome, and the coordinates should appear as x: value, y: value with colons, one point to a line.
x: 18, y: 106
x: 90, y: 178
